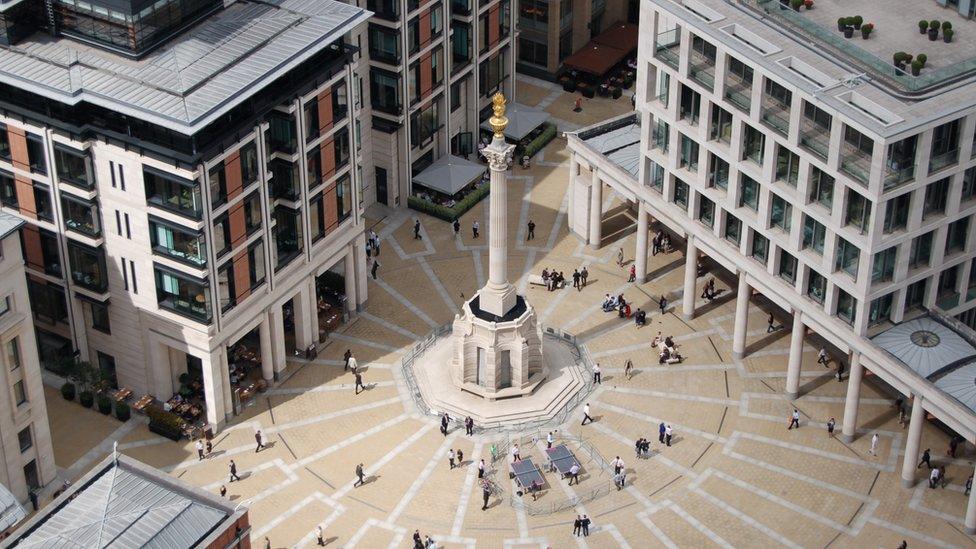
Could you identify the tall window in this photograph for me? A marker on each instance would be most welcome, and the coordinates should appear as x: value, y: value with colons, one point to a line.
x: 821, y: 188
x: 816, y: 286
x: 721, y: 128
x: 858, y: 212
x: 787, y: 267
x: 749, y: 192
x: 12, y: 352
x: 384, y: 91
x: 883, y: 269
x: 846, y: 257
x: 781, y: 212
x: 706, y: 212
x: 846, y: 306
x: 733, y: 229
x: 956, y: 236
x: 935, y: 198
x: 35, y: 154
x: 896, y: 212
x: 760, y: 248
x: 753, y: 144
x: 921, y: 251
x: 787, y: 166
x: 384, y: 44
x: 74, y: 167
x: 680, y: 193
x: 814, y: 234
x: 172, y: 193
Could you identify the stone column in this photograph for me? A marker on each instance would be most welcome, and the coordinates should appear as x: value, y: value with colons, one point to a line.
x: 571, y: 210
x: 912, y: 443
x: 596, y: 210
x: 350, y: 278
x: 971, y: 514
x: 278, y: 348
x: 853, y: 398
x: 741, y: 318
x: 267, y: 354
x: 228, y: 391
x: 691, y: 275
x: 796, y: 356
x: 640, y: 255
x: 361, y: 290
x: 498, y: 296
x: 214, y: 368
x: 311, y: 303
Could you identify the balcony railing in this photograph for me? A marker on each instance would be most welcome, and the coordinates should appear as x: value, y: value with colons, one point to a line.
x: 659, y: 140
x: 856, y: 165
x: 777, y: 118
x: 895, y: 177
x: 816, y: 140
x: 739, y: 93
x: 702, y: 69
x: 663, y: 97
x: 943, y: 160
x: 667, y: 46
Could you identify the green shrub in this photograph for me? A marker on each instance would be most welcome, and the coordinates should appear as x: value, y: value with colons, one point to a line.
x: 934, y: 24
x: 922, y: 58
x: 68, y: 391
x: 445, y: 213
x: 104, y: 404
x: 122, y: 411
x: 165, y: 424
x: 947, y: 33
x: 796, y: 4
x: 86, y: 398
x: 946, y: 25
x: 857, y: 20
x: 543, y: 139
x: 923, y: 25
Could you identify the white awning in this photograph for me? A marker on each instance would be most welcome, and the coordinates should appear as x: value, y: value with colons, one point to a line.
x: 449, y: 174
x: 521, y: 121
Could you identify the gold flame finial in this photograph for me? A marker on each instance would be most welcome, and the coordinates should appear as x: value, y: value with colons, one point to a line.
x: 499, y: 121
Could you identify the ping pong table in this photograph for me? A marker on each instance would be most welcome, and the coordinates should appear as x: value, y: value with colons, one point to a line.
x: 561, y: 459
x: 527, y: 475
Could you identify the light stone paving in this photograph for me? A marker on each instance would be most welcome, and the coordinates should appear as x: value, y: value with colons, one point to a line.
x: 734, y: 476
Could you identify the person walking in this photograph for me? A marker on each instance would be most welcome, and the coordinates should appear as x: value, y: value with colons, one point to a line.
x: 460, y: 457
x: 376, y: 265
x: 934, y: 478
x: 416, y: 230
x: 233, y: 472
x: 209, y: 448
x: 662, y: 304
x: 822, y: 357
x: 359, y: 382
x: 596, y: 374
x: 618, y: 465
x: 633, y: 274
x: 629, y: 369
x: 319, y: 535
x: 794, y: 420
x: 586, y: 526
x: 953, y: 447
x: 874, y: 445
x: 376, y: 242
x: 450, y: 457
x: 360, y: 474
x: 485, y: 494
x: 345, y: 357
x: 660, y: 432
x: 223, y: 490
x: 578, y: 526
x: 830, y: 427
x: 267, y: 542
x: 840, y: 371
x: 770, y: 321
x: 620, y: 479
x: 199, y: 449
x: 576, y: 279
x: 469, y: 426
x: 574, y: 474
x: 586, y: 414
x: 444, y: 421
x: 457, y: 227
x: 549, y: 440
x: 474, y: 229
x: 969, y: 484
x: 668, y: 433
x: 516, y: 456
x: 584, y: 274
x: 926, y: 459
x: 481, y: 469
x: 259, y: 441
x: 531, y: 227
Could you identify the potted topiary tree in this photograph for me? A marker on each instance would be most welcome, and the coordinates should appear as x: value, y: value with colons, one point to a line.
x: 104, y: 404
x: 916, y: 67
x: 848, y: 27
x: 857, y: 20
x: 866, y: 30
x: 934, y: 30
x: 922, y: 58
x: 947, y: 32
x: 122, y: 411
x: 86, y: 398
x: 68, y: 390
x: 795, y: 4
x: 923, y: 27
x: 841, y: 23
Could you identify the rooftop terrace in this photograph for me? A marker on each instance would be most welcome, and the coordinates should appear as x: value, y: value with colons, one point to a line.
x: 895, y: 29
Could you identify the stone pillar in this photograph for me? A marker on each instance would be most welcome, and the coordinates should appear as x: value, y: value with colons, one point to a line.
x: 278, y: 348
x: 225, y: 381
x: 311, y: 301
x: 912, y: 443
x: 303, y: 333
x: 162, y: 369
x: 350, y: 278
x: 214, y: 368
x: 796, y: 356
x: 691, y: 275
x: 571, y: 209
x: 640, y: 255
x: 267, y: 355
x: 971, y: 514
x: 853, y: 398
x: 361, y: 290
x: 498, y: 296
x: 596, y: 210
x: 741, y: 318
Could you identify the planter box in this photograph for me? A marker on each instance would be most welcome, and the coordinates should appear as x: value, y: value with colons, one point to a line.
x: 445, y: 213
x: 166, y: 431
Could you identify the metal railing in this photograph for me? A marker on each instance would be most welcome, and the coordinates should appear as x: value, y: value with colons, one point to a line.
x: 943, y: 160
x: 702, y: 69
x: 666, y: 47
x: 816, y: 141
x: 773, y: 118
x: 739, y: 93
x: 895, y: 177
x: 856, y: 165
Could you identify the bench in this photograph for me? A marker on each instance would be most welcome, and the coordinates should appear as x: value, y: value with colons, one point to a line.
x: 536, y: 280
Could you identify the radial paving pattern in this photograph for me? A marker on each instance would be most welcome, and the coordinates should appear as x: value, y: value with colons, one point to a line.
x: 734, y: 475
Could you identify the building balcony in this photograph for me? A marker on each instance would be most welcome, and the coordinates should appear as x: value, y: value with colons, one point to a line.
x: 667, y: 47
x: 702, y: 69
x: 895, y: 177
x: 947, y: 301
x: 944, y: 160
x: 659, y: 140
x: 816, y: 140
x: 739, y: 93
x: 856, y: 165
x: 777, y: 118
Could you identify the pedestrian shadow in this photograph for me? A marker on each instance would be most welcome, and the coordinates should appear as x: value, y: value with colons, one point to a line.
x: 268, y: 445
x: 216, y: 454
x: 370, y: 479
x: 244, y: 476
x: 675, y: 440
x: 234, y: 497
x: 329, y: 540
x: 814, y: 383
x: 721, y: 298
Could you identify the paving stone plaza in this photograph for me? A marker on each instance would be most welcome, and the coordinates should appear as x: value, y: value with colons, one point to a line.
x: 733, y: 475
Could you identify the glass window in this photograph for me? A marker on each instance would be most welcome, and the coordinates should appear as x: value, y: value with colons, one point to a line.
x: 172, y: 193
x: 969, y: 182
x: 42, y: 202
x: 733, y: 229
x: 533, y: 52
x: 20, y: 393
x: 760, y: 247
x: 721, y: 128
x: 25, y: 439
x: 182, y: 295
x: 87, y: 266
x: 344, y: 198
x: 35, y: 154
x: 956, y: 236
x: 680, y: 193
x: 47, y: 301
x: 106, y: 363
x: 749, y: 193
x: 460, y: 44
x: 884, y: 265
x: 456, y: 91
x: 12, y: 352
x: 787, y: 166
x: 780, y: 213
x: 287, y: 234
x: 249, y: 163
x: 896, y: 212
x: 80, y: 215
x: 100, y: 317
x: 821, y: 188
x: 180, y: 243
x: 718, y: 174
x: 935, y: 198
x: 316, y: 214
x: 281, y: 134
x: 817, y: 286
x: 4, y: 143
x: 689, y: 153
x: 846, y: 257
x: 814, y: 234
x: 424, y: 124
x: 74, y: 167
x: 255, y: 264
x: 493, y: 72
x: 921, y: 251
x: 846, y: 306
x: 858, y: 212
x: 880, y: 309
x: 753, y: 144
x: 8, y: 189
x: 4, y: 305
x: 226, y: 287
x: 915, y: 294
x: 787, y: 267
x: 706, y: 212
x: 384, y: 91
x: 252, y: 213
x: 218, y: 185
x: 384, y: 45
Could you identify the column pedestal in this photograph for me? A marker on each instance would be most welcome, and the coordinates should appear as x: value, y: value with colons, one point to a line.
x: 350, y: 279
x: 912, y: 443
x: 691, y: 275
x: 741, y: 318
x: 796, y: 357
x: 853, y: 398
x: 640, y: 254
x: 267, y: 353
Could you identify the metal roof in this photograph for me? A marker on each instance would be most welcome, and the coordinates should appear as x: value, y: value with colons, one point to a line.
x: 619, y: 141
x: 522, y: 120
x: 126, y: 504
x: 11, y: 511
x: 449, y: 174
x: 925, y: 345
x: 198, y: 76
x: 8, y: 224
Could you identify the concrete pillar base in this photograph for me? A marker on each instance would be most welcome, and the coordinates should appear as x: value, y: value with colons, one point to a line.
x: 907, y: 483
x: 792, y: 396
x: 688, y: 316
x: 736, y: 355
x: 970, y: 531
x: 846, y: 439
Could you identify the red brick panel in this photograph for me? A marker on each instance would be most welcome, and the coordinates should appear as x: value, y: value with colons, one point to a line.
x: 328, y: 157
x: 426, y: 75
x: 25, y: 196
x: 425, y: 30
x: 32, y: 248
x: 227, y: 536
x: 493, y: 29
x: 238, y: 225
x: 242, y: 276
x: 18, y: 148
x: 233, y: 176
x: 331, y: 208
x: 326, y: 116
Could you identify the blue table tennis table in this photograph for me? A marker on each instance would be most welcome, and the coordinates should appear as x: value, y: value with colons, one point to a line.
x: 527, y: 475
x: 561, y: 459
